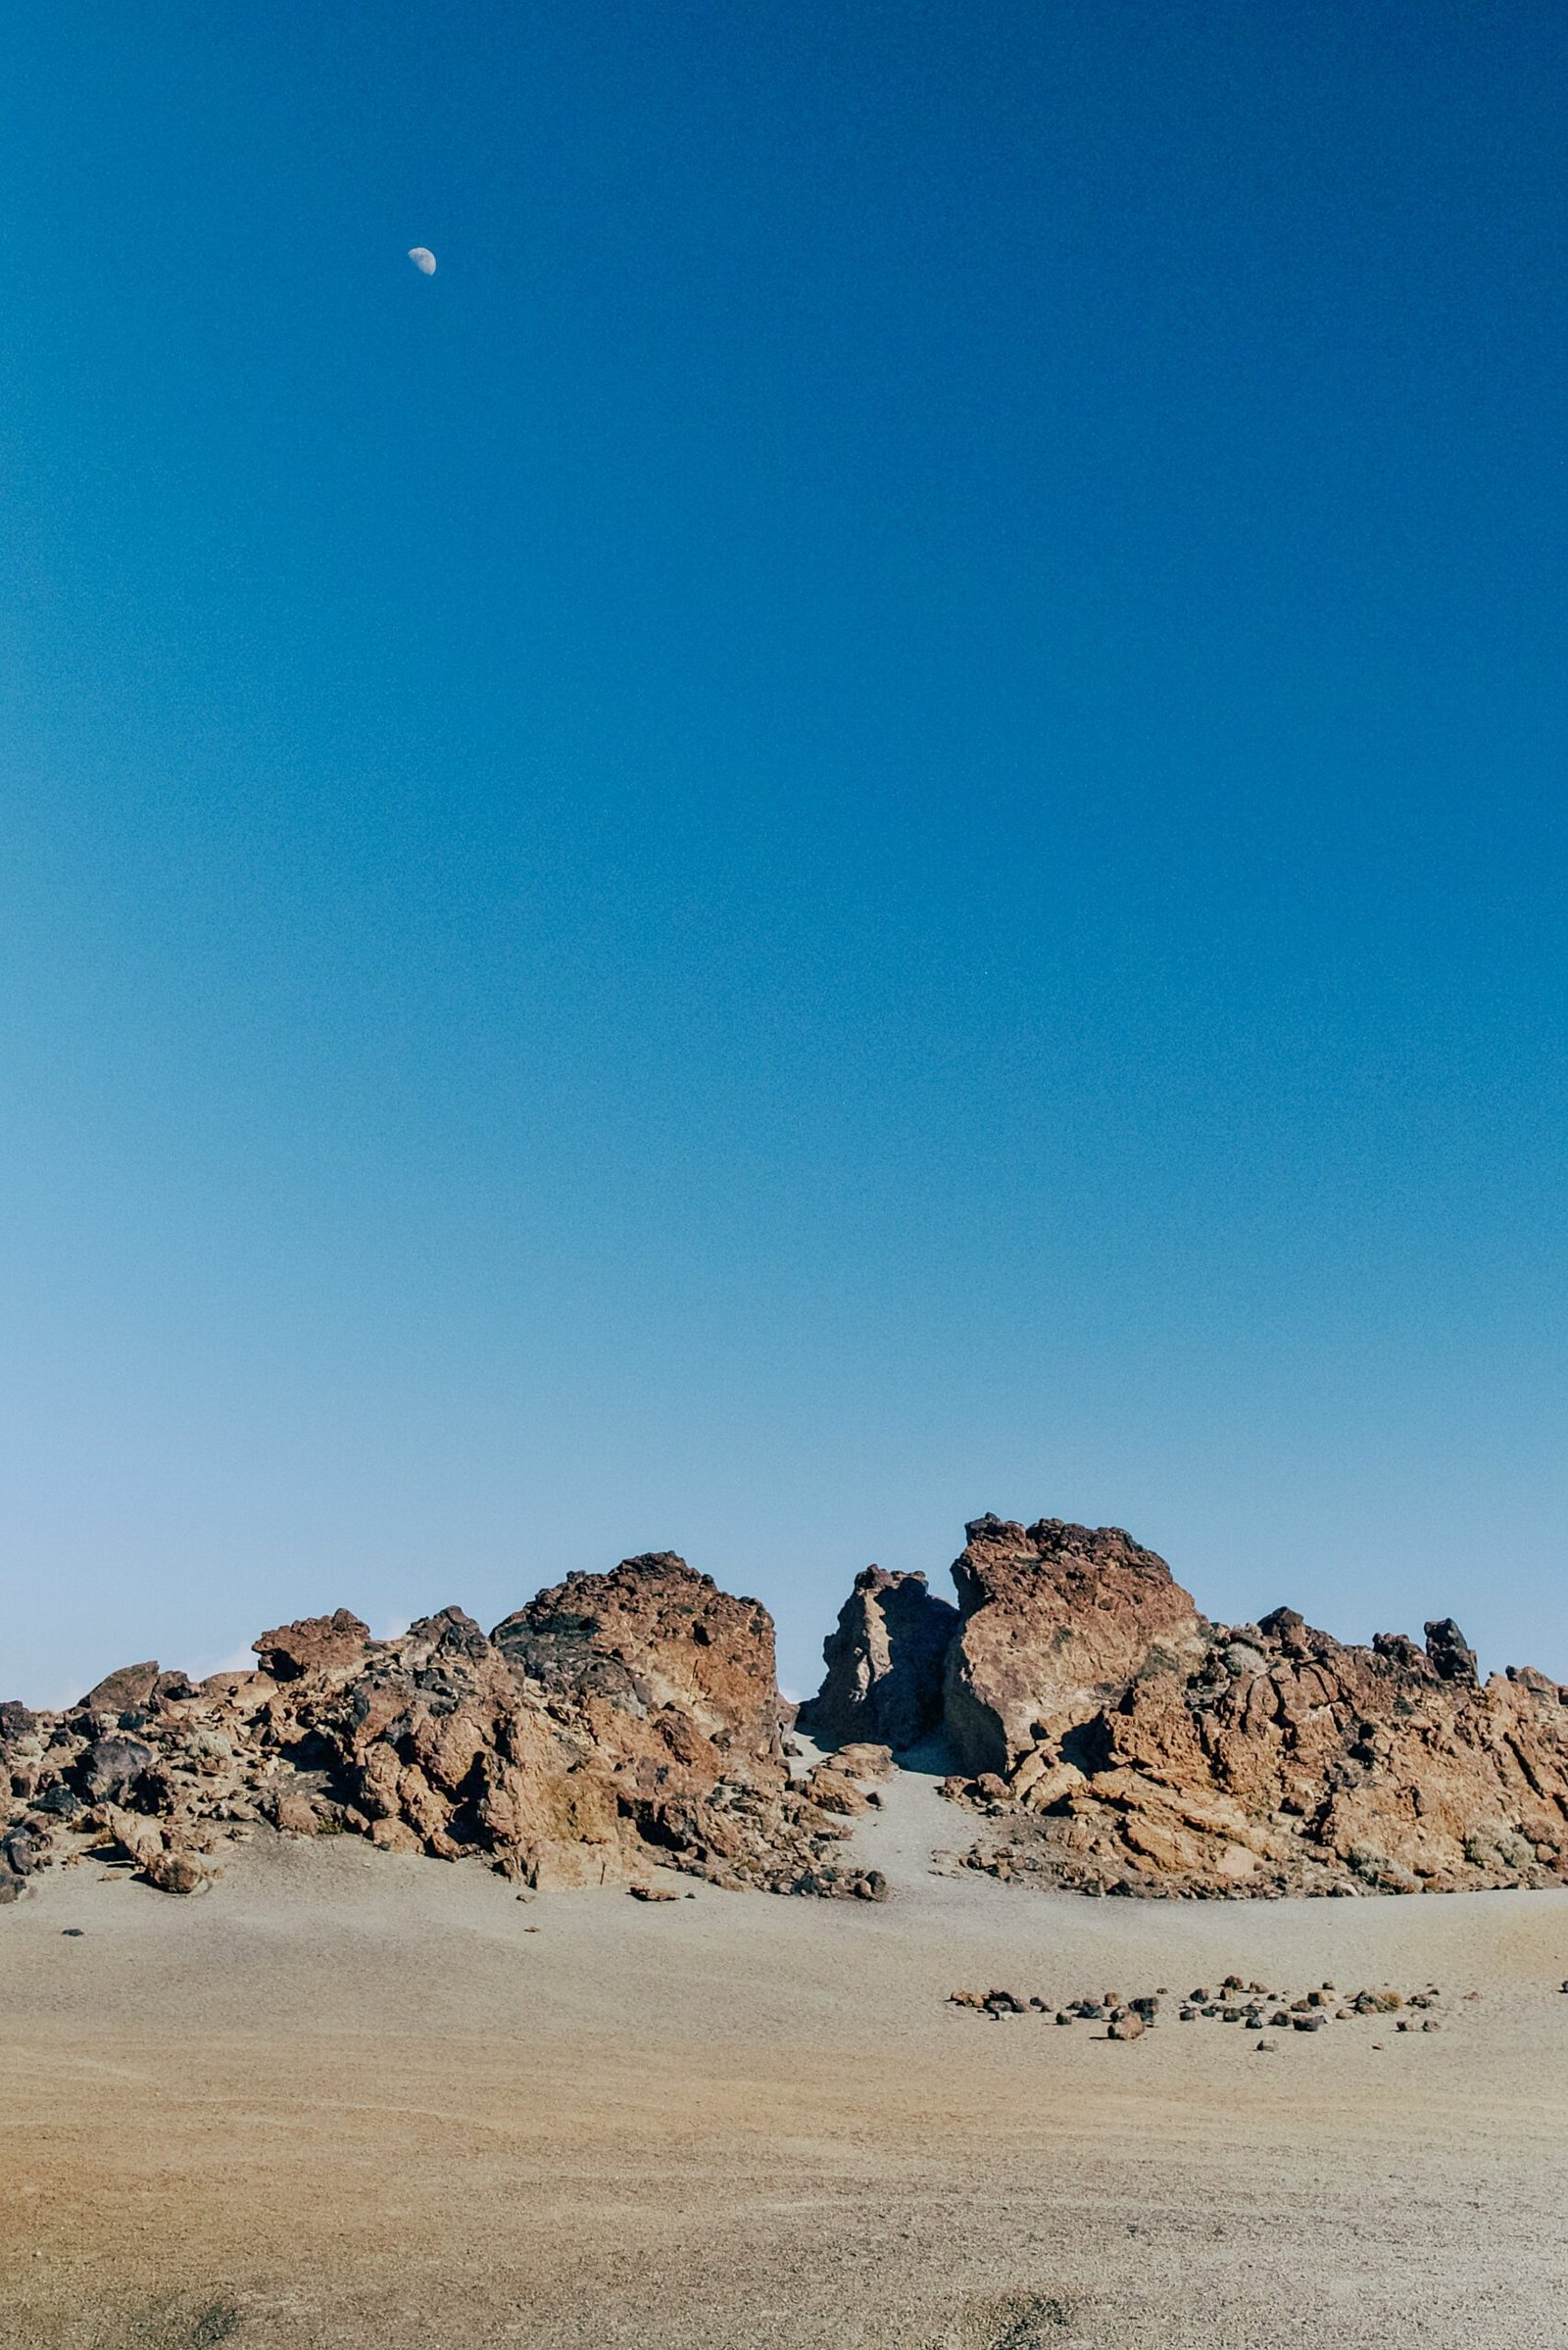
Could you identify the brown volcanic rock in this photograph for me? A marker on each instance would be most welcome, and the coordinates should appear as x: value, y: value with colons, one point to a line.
x: 1057, y: 1620
x: 628, y: 1718
x: 885, y: 1661
x: 314, y: 1645
x: 1277, y: 1759
x: 650, y: 1636
x: 125, y: 1691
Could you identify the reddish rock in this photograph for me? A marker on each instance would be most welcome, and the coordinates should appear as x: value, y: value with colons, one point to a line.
x: 655, y: 1636
x: 1057, y: 1621
x: 314, y: 1645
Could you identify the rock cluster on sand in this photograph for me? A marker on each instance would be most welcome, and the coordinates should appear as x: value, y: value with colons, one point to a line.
x: 1251, y: 2004
x: 617, y: 1722
x: 1110, y: 1739
x: 1115, y: 1741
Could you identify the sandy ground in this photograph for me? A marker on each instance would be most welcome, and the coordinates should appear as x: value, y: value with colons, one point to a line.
x: 344, y: 2099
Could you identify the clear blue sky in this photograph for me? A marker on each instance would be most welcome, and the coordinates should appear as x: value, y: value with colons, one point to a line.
x: 865, y: 822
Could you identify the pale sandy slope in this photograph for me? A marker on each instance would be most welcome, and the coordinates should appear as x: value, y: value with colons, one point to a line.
x: 350, y: 2100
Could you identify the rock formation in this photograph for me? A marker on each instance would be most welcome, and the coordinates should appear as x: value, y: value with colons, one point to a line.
x: 618, y: 1720
x: 1055, y: 1619
x: 885, y: 1664
x: 1111, y: 1739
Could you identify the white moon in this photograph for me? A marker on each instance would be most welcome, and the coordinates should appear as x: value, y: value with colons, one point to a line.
x: 422, y: 258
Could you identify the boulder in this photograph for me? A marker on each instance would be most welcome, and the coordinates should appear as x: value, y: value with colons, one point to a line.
x: 1058, y: 1621
x: 861, y: 1761
x: 111, y: 1765
x: 884, y: 1663
x: 129, y: 1689
x: 314, y: 1645
x: 175, y: 1872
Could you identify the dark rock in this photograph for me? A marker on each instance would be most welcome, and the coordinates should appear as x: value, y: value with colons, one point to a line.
x: 884, y: 1663
x: 20, y: 1852
x: 111, y: 1765
x: 1448, y: 1656
x: 125, y: 1691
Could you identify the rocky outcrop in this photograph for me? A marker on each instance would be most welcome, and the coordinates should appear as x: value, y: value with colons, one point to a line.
x: 1119, y: 1743
x: 1056, y: 1619
x: 1113, y: 1739
x: 618, y: 1720
x: 655, y: 1637
x: 1110, y: 1739
x: 884, y: 1663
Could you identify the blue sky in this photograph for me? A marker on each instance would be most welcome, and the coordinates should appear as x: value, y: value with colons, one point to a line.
x: 865, y: 822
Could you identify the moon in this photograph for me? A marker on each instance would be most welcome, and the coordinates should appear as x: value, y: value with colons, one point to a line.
x: 422, y: 258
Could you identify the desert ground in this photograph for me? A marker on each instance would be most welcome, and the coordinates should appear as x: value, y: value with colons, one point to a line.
x: 345, y: 2098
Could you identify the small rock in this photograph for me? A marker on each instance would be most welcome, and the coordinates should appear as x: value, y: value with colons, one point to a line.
x: 1127, y: 2027
x: 653, y: 1892
x: 174, y: 1873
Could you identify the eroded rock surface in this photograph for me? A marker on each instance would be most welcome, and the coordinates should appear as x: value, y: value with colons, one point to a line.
x: 1056, y: 1619
x: 618, y: 1720
x: 885, y: 1661
x: 1113, y: 1739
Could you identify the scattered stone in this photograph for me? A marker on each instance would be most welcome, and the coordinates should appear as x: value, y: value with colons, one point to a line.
x: 174, y: 1871
x: 653, y: 1892
x: 1126, y: 2027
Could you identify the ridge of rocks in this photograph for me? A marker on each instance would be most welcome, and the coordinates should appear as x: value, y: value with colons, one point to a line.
x: 1115, y: 1741
x: 617, y: 1722
x: 1109, y: 1737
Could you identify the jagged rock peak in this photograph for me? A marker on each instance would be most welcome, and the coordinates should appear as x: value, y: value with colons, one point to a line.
x: 885, y: 1660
